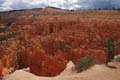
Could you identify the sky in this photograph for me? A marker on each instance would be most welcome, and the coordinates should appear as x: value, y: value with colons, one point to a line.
x: 6, y: 5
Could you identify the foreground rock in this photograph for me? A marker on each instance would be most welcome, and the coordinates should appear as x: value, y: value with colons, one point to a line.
x: 97, y: 72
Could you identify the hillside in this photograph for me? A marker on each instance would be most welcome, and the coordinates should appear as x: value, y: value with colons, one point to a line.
x: 46, y: 39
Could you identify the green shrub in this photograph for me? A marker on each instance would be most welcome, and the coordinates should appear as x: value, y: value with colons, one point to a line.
x: 85, y: 63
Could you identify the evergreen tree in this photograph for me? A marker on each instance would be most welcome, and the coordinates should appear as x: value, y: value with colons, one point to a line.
x: 109, y: 44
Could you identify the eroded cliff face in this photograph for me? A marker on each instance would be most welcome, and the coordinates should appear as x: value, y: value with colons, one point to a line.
x: 45, y: 40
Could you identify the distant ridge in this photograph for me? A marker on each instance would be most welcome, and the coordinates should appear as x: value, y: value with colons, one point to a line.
x: 48, y: 7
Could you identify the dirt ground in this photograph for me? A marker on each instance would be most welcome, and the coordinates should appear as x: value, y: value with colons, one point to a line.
x: 97, y: 72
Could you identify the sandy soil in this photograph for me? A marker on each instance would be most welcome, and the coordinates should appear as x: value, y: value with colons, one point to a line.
x: 97, y: 72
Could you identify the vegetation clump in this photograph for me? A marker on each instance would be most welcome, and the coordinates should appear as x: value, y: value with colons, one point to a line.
x: 85, y: 63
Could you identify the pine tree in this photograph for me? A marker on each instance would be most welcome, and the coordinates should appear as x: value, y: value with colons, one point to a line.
x: 109, y: 44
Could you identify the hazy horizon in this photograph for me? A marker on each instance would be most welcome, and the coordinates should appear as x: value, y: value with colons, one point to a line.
x: 6, y: 5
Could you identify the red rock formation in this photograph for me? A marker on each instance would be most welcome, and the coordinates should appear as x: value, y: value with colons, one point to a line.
x: 8, y: 57
x: 77, y: 54
x: 1, y: 25
x: 43, y: 64
x: 48, y: 38
x: 49, y: 66
x: 99, y: 55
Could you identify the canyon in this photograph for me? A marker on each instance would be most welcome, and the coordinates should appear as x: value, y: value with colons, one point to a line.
x: 46, y: 39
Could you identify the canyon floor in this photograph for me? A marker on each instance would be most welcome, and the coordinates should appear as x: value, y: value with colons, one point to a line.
x: 97, y: 72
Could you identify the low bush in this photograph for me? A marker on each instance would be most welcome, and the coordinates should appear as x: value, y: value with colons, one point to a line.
x: 85, y: 63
